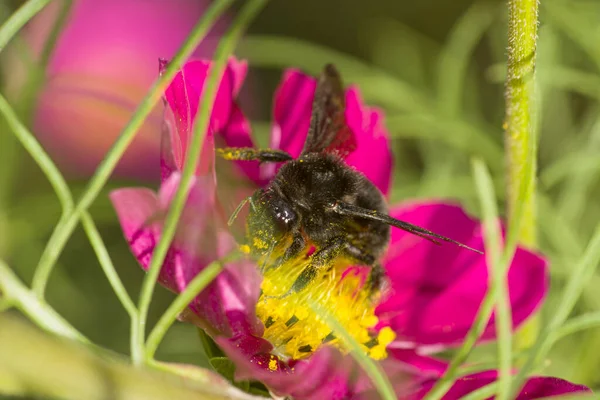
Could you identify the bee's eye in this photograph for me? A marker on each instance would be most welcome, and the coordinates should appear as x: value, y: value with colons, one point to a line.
x: 284, y: 216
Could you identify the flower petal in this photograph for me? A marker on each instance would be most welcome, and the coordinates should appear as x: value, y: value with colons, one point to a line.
x: 372, y: 156
x: 227, y: 305
x: 183, y: 97
x: 325, y: 375
x: 134, y: 208
x: 535, y: 388
x: 292, y: 113
x: 437, y: 290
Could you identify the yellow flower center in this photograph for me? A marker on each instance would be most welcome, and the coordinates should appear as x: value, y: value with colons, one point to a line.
x: 296, y: 323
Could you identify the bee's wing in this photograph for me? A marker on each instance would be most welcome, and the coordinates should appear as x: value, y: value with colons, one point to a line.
x: 328, y: 130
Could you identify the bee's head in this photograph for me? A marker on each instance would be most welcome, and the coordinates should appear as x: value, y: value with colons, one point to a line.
x: 271, y: 219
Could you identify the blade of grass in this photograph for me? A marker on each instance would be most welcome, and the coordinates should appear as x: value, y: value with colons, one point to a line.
x: 493, y: 238
x: 63, y: 230
x: 456, y: 54
x: 37, y: 310
x: 63, y: 193
x: 18, y: 19
x: 579, y: 323
x: 456, y: 133
x: 200, y: 281
x: 580, y: 275
x: 274, y: 51
x: 224, y: 50
x: 565, y: 17
x: 370, y: 366
x: 487, y: 305
x: 482, y: 393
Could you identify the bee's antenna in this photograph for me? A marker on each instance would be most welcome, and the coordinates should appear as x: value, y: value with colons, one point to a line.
x: 355, y: 211
x: 237, y: 211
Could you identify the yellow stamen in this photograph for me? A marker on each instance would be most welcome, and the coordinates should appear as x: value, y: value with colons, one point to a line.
x: 296, y: 331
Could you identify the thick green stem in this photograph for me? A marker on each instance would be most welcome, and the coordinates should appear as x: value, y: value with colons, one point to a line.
x: 520, y: 133
x: 520, y: 112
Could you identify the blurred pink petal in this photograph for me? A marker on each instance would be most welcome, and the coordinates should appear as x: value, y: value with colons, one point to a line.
x: 291, y: 111
x: 227, y: 305
x: 327, y: 374
x: 103, y: 63
x: 182, y: 98
x: 373, y: 156
x: 437, y: 290
x: 535, y: 388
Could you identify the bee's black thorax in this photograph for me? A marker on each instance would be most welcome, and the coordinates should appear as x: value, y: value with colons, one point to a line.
x: 311, y: 183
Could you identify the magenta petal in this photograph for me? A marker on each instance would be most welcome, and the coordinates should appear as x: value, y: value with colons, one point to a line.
x: 535, y: 388
x: 183, y: 96
x: 437, y: 290
x: 372, y: 155
x: 227, y: 305
x: 424, y: 366
x: 291, y: 113
x: 325, y: 375
x: 237, y: 134
x: 134, y: 208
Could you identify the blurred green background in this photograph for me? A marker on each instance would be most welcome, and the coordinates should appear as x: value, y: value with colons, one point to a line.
x: 436, y: 67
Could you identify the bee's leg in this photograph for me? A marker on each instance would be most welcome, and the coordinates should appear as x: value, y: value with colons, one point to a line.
x: 376, y: 279
x: 376, y: 274
x: 252, y: 154
x: 298, y: 244
x: 322, y: 258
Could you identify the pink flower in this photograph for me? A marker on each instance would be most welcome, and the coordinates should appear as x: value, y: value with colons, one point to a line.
x: 535, y: 387
x: 103, y: 64
x: 435, y: 290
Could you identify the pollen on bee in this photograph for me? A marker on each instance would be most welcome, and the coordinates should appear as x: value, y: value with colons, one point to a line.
x: 297, y: 331
x: 258, y: 243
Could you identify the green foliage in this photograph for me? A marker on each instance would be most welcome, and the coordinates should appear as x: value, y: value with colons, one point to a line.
x: 443, y: 98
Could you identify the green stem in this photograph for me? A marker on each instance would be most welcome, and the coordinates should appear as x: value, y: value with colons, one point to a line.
x: 39, y: 155
x: 493, y: 238
x: 519, y: 120
x: 520, y: 134
x: 64, y: 195
x: 582, y: 273
x: 370, y: 366
x: 487, y: 305
x: 458, y: 52
x: 62, y: 232
x: 579, y: 323
x: 52, y: 38
x: 18, y: 19
x: 39, y: 312
x: 483, y: 392
x: 224, y: 50
x: 200, y: 281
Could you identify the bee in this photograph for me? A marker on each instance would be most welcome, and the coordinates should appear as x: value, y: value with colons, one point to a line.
x: 319, y: 200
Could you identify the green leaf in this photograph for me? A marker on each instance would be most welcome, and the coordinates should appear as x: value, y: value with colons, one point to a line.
x: 226, y: 368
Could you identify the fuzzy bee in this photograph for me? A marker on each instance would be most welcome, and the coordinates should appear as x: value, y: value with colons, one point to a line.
x: 318, y: 200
